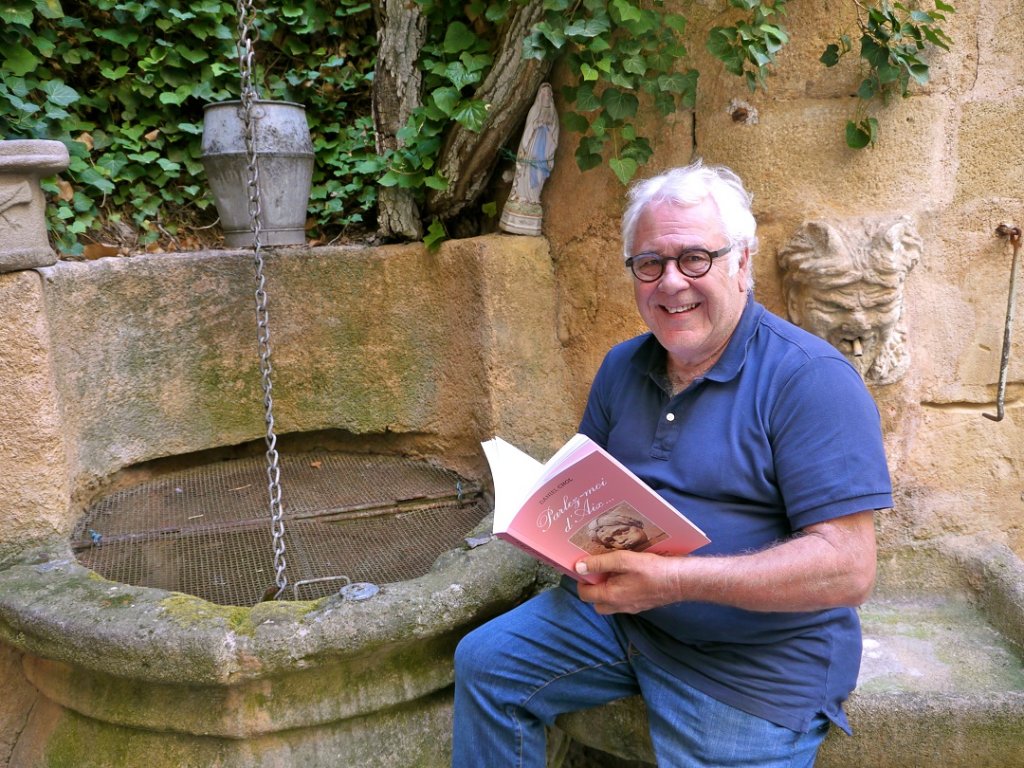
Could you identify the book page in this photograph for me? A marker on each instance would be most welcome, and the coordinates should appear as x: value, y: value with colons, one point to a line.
x: 514, y: 474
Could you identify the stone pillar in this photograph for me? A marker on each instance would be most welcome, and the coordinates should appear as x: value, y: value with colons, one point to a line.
x: 22, y: 206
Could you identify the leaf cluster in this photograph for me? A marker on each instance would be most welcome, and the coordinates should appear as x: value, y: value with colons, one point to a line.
x: 123, y: 84
x: 748, y: 47
x: 460, y: 49
x: 893, y: 40
x: 617, y: 52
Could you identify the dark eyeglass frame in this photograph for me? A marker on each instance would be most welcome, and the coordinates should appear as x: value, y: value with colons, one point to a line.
x: 661, y: 260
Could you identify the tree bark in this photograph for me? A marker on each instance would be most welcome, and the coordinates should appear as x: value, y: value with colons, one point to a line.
x: 401, y: 32
x: 467, y: 158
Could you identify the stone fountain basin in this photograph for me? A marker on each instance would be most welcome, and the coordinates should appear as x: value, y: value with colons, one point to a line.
x: 942, y: 675
x: 134, y: 675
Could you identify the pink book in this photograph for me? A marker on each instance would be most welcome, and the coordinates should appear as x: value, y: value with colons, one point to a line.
x: 582, y: 502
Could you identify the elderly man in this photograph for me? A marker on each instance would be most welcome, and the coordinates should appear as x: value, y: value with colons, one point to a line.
x: 765, y: 437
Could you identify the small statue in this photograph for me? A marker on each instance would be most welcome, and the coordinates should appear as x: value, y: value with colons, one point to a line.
x: 523, y: 214
x: 844, y: 282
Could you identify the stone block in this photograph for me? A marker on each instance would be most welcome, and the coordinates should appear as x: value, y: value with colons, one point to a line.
x: 796, y: 163
x: 33, y: 463
x: 989, y: 147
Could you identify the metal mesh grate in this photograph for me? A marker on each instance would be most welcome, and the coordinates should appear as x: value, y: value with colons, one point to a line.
x: 206, y: 531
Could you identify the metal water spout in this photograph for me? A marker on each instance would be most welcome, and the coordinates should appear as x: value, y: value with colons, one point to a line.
x: 23, y: 163
x: 1014, y: 233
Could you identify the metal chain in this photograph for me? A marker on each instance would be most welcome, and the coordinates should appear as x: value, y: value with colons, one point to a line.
x: 246, y: 35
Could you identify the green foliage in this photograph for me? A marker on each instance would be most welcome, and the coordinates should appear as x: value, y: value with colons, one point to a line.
x: 618, y: 52
x: 893, y: 38
x: 750, y: 46
x: 123, y: 83
x: 453, y: 62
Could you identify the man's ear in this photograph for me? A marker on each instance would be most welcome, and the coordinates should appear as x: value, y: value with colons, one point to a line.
x: 744, y: 270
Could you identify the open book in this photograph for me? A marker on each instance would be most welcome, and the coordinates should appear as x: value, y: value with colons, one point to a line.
x: 581, y: 502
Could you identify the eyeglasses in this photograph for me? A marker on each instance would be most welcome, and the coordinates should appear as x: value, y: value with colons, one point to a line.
x: 693, y: 262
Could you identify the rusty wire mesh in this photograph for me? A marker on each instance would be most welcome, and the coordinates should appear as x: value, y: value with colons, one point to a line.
x: 205, y: 530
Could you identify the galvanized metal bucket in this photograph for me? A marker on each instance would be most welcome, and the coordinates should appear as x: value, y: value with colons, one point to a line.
x: 284, y: 157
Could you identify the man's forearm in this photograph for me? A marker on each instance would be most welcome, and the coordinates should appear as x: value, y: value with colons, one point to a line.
x: 828, y: 565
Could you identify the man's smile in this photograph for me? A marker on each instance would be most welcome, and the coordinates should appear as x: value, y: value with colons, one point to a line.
x: 682, y: 308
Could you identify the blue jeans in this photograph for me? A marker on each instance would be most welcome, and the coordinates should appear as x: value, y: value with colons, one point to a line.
x: 555, y: 654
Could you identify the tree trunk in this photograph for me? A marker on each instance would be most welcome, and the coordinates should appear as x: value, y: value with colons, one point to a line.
x: 401, y: 32
x: 467, y: 158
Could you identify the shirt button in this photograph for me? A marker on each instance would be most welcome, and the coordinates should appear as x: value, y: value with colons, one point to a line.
x: 670, y: 417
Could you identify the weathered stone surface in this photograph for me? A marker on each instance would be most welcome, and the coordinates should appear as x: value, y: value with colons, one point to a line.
x: 33, y: 447
x: 121, y: 665
x: 941, y: 683
x: 156, y: 356
x: 22, y: 205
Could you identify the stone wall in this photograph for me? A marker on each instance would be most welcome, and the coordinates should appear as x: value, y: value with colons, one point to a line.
x: 949, y: 157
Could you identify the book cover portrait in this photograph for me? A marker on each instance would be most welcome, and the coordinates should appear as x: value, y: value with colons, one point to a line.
x: 621, y: 527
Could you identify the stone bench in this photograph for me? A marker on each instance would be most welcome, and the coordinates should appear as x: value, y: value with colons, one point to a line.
x: 941, y: 682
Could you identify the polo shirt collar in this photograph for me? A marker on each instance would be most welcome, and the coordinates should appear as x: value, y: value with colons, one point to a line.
x: 649, y: 357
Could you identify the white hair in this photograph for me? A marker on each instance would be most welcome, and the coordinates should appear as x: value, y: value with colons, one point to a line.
x: 689, y: 186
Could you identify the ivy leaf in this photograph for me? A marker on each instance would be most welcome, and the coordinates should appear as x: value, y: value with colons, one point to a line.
x: 471, y: 115
x: 665, y: 103
x: 123, y: 37
x: 19, y: 60
x: 888, y: 74
x: 635, y: 65
x: 831, y: 55
x: 446, y: 99
x: 435, y: 235
x: 533, y: 47
x: 675, y: 22
x: 867, y: 91
x: 20, y: 16
x: 620, y: 105
x: 775, y: 37
x: 574, y: 121
x: 587, y: 28
x: 627, y: 11
x: 920, y: 73
x: 554, y: 36
x: 624, y: 168
x: 114, y: 74
x: 60, y: 94
x: 861, y: 134
x: 436, y: 182
x: 586, y: 99
x: 586, y: 159
x: 458, y: 38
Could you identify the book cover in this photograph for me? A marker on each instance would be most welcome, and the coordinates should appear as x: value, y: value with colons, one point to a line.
x: 581, y: 502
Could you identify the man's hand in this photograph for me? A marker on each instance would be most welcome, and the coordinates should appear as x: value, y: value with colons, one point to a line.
x: 636, y: 581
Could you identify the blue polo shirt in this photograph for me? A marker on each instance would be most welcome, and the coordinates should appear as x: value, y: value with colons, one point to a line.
x: 780, y: 434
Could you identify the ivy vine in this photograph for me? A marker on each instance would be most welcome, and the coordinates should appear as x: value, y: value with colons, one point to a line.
x: 893, y: 40
x: 123, y: 84
x: 616, y: 52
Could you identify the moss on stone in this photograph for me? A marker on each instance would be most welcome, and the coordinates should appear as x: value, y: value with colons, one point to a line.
x: 188, y: 612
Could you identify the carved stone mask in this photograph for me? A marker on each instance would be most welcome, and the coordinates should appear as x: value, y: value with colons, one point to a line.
x: 843, y: 281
